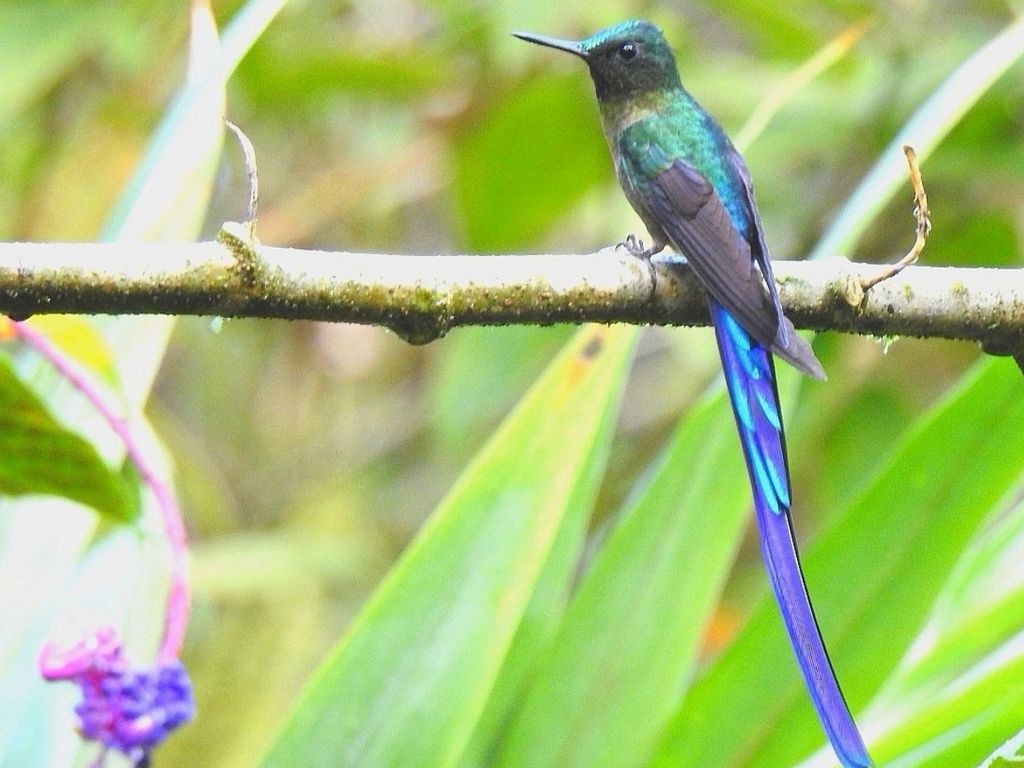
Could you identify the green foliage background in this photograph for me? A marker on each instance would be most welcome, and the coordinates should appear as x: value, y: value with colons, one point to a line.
x: 308, y: 456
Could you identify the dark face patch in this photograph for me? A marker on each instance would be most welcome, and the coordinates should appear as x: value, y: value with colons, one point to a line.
x: 629, y: 60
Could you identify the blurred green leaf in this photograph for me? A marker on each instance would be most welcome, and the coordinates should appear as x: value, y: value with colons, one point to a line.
x: 283, y: 78
x: 535, y: 151
x: 873, y: 575
x: 956, y: 724
x: 924, y: 130
x: 1009, y: 755
x: 980, y: 241
x: 168, y: 195
x: 410, y: 680
x: 786, y: 29
x: 846, y: 429
x: 39, y: 41
x: 980, y: 608
x: 481, y: 372
x: 628, y: 644
x: 39, y: 456
x: 796, y: 81
x: 957, y: 692
x: 542, y: 615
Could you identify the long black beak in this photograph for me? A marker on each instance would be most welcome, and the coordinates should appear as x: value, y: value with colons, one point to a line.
x: 570, y: 46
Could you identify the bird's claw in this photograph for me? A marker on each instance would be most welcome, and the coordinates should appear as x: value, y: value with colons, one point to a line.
x: 635, y: 246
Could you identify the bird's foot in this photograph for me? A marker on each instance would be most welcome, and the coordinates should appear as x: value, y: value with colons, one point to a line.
x: 636, y: 248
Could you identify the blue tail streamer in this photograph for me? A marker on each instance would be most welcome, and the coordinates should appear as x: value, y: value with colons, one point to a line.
x: 750, y: 379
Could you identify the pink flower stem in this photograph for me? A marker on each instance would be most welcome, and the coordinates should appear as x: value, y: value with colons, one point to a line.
x: 176, y: 617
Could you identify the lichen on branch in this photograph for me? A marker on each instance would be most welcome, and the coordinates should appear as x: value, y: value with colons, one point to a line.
x: 422, y: 297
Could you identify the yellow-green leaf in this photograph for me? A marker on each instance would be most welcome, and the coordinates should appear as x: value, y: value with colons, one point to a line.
x: 408, y: 684
x: 39, y: 456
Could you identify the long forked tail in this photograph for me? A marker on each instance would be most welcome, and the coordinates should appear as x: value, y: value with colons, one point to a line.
x: 750, y: 378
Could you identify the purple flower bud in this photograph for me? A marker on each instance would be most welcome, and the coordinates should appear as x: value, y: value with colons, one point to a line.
x: 130, y: 710
x: 99, y: 652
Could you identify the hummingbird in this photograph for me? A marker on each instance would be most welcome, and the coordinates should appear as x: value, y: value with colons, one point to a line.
x: 692, y: 190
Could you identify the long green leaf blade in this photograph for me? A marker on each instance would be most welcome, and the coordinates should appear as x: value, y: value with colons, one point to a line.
x: 1009, y: 755
x: 874, y: 577
x: 981, y: 607
x: 629, y: 641
x: 956, y: 724
x: 541, y: 617
x: 929, y: 125
x: 408, y: 684
x: 168, y: 196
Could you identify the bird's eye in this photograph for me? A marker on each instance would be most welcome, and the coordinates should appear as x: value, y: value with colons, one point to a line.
x: 627, y: 51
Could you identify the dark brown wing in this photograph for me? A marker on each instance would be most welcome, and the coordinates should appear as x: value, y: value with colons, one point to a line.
x: 758, y: 245
x: 688, y: 208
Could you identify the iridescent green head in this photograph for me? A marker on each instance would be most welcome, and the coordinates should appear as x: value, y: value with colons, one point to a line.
x: 625, y: 61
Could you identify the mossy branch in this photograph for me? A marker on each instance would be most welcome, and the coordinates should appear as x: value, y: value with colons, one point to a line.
x: 422, y: 297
